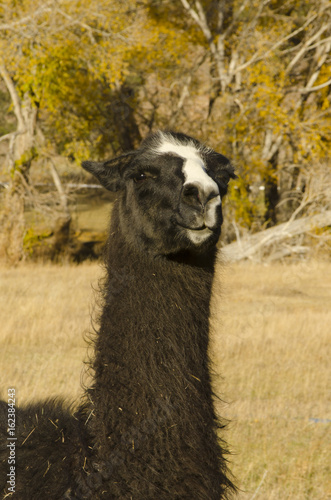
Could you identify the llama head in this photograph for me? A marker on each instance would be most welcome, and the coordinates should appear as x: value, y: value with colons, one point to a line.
x: 171, y: 191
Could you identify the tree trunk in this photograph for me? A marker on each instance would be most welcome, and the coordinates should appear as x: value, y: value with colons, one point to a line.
x: 12, y: 222
x: 21, y: 152
x: 128, y: 134
x: 271, y: 200
x: 62, y: 223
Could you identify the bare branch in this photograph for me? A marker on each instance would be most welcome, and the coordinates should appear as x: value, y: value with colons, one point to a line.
x: 33, y: 22
x: 236, y: 17
x: 258, y: 244
x: 7, y: 137
x: 216, y: 51
x: 271, y: 145
x: 249, y: 27
x: 320, y: 63
x: 14, y: 97
x: 59, y: 187
x: 185, y: 90
x: 305, y: 47
x: 320, y: 42
x: 88, y: 28
x: 24, y: 20
x: 255, y: 58
x: 314, y: 89
x: 193, y: 14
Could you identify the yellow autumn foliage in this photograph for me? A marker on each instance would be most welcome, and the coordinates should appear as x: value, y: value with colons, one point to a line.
x: 75, y: 57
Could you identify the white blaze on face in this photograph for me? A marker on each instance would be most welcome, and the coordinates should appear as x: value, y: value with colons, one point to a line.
x: 194, y: 168
x: 210, y: 215
x: 195, y: 172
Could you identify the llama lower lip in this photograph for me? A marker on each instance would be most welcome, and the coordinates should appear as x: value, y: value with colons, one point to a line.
x: 196, y: 229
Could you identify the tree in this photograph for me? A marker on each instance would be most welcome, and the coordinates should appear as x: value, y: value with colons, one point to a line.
x: 46, y: 54
x: 89, y: 78
x: 74, y: 71
x: 269, y: 96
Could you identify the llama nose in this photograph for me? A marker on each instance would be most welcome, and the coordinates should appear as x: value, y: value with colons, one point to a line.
x: 197, y: 196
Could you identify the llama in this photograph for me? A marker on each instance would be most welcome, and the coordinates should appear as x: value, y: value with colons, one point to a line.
x: 146, y: 428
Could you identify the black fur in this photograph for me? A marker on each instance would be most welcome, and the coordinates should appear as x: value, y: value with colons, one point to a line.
x: 147, y: 428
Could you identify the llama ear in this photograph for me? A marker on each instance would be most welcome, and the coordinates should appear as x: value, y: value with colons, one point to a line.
x: 109, y: 172
x: 223, y: 171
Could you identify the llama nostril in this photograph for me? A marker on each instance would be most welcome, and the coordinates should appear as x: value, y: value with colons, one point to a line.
x: 192, y: 195
x: 212, y: 196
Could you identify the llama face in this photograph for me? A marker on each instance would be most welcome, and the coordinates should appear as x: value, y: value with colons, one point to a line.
x: 172, y: 188
x: 199, y: 209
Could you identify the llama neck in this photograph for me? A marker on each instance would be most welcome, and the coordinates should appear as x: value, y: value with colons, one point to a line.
x: 151, y: 380
x: 153, y: 336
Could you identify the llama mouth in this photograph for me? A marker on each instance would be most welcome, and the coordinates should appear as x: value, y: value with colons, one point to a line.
x: 202, y: 231
x: 197, y: 230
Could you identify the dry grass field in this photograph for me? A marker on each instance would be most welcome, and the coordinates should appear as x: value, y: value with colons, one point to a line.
x: 270, y: 344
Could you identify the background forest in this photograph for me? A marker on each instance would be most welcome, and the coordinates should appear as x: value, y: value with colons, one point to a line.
x: 88, y: 79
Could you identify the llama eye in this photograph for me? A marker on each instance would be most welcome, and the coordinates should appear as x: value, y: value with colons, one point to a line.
x: 139, y: 177
x: 143, y: 176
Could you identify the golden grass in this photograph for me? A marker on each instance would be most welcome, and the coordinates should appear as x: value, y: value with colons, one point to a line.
x: 45, y: 312
x: 270, y: 343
